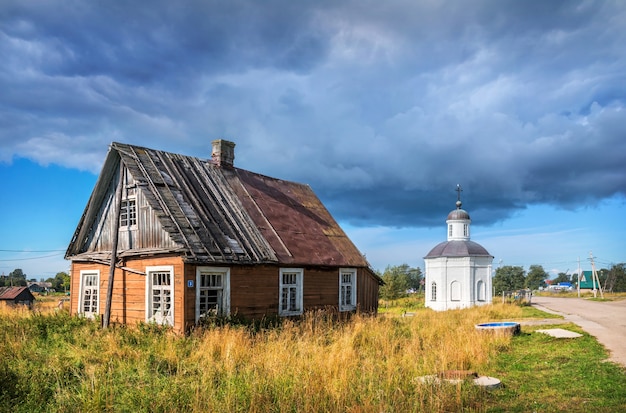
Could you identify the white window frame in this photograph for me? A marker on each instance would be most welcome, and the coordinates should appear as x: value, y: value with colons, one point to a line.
x: 164, y: 320
x: 299, y: 286
x: 129, y: 213
x: 225, y: 288
x: 343, y: 286
x: 433, y: 291
x: 81, y: 293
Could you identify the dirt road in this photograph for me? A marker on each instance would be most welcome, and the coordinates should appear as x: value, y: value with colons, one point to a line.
x: 604, y: 320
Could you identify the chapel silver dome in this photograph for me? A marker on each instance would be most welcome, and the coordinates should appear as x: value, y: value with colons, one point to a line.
x: 458, y: 249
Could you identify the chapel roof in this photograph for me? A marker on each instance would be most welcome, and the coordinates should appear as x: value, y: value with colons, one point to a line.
x: 458, y: 249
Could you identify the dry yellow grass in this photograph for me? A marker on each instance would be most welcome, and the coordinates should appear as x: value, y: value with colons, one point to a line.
x: 368, y: 362
x: 314, y: 364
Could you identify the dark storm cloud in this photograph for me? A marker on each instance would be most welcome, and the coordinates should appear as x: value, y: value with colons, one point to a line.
x: 382, y: 107
x: 147, y: 42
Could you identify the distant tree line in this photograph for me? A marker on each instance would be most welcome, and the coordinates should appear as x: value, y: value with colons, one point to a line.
x: 17, y: 278
x: 400, y: 280
x: 613, y: 279
x: 511, y: 278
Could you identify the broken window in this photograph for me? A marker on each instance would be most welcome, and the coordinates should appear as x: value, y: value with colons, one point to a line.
x: 89, y: 303
x: 347, y: 289
x: 128, y: 213
x: 290, y: 297
x: 160, y: 295
x: 212, y: 292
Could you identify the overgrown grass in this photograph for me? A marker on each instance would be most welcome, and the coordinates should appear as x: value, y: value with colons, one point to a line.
x: 59, y: 363
x: 410, y: 304
x: 399, y: 306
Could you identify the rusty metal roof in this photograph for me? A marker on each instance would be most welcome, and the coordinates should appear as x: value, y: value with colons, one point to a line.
x: 295, y: 222
x: 11, y: 293
x: 458, y: 249
x: 226, y: 214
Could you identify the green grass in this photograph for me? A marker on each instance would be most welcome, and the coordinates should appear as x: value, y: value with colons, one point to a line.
x: 547, y: 374
x: 531, y: 312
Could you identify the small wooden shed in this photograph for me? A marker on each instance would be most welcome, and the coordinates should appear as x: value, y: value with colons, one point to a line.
x: 14, y: 296
x: 192, y: 237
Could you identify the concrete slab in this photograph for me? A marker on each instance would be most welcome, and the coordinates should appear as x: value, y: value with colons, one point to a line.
x: 560, y: 333
x: 487, y: 382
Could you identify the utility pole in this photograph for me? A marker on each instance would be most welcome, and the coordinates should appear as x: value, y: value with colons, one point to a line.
x: 595, y: 277
x: 578, y: 283
x: 116, y: 226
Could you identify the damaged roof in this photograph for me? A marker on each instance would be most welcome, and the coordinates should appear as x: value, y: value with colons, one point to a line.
x: 223, y: 214
x: 11, y: 293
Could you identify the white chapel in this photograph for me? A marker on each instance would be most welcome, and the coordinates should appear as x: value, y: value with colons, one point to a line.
x: 457, y: 271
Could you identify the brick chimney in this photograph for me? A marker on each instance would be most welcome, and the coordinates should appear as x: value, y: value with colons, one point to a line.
x: 223, y: 152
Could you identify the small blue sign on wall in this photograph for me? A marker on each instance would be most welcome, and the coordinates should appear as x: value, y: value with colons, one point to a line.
x: 190, y: 283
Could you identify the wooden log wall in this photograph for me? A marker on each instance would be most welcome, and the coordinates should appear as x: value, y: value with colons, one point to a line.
x: 128, y: 304
x: 254, y: 290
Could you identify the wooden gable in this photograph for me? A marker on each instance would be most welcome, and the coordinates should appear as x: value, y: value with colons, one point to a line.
x: 94, y: 236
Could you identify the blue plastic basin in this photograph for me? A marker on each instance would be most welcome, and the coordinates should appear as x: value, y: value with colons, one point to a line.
x: 509, y: 327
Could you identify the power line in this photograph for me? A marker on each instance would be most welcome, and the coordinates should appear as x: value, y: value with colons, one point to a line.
x: 25, y: 251
x: 32, y: 258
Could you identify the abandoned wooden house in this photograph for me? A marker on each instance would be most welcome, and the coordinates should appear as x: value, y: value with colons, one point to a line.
x: 192, y: 237
x: 14, y: 296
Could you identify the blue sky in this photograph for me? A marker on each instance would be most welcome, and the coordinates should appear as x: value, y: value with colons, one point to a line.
x: 382, y: 107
